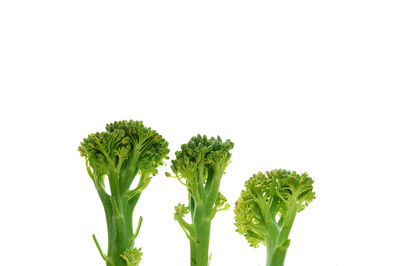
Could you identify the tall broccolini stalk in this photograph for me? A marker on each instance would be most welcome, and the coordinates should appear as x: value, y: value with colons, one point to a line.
x: 200, y: 165
x: 266, y: 210
x: 126, y: 149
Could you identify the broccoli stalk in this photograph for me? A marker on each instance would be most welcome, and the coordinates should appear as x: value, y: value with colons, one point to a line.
x: 266, y: 209
x: 123, y: 151
x: 200, y: 165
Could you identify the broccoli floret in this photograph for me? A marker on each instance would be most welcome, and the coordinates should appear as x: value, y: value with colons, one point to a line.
x: 126, y: 149
x: 132, y: 256
x: 200, y: 165
x: 266, y: 209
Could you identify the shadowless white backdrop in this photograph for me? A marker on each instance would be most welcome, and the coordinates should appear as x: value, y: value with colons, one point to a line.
x: 303, y: 85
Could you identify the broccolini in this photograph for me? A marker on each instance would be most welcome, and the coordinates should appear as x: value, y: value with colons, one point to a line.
x: 266, y: 210
x: 200, y: 165
x: 126, y: 149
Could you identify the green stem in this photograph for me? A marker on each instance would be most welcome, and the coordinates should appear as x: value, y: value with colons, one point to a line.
x: 279, y: 243
x: 116, y: 237
x: 276, y: 255
x: 193, y: 257
x: 199, y: 255
x: 138, y: 227
x: 130, y: 206
x: 103, y: 255
x: 120, y: 233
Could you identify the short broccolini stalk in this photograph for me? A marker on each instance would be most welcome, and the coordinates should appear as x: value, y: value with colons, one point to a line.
x: 123, y: 151
x: 266, y: 210
x: 200, y: 165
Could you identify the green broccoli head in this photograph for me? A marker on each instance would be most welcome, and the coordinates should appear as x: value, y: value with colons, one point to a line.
x: 124, y: 149
x: 271, y: 201
x: 201, y: 159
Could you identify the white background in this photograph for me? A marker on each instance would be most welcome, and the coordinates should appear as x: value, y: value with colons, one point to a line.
x: 303, y: 85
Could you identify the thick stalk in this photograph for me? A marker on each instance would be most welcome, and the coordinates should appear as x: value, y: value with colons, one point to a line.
x: 199, y: 245
x: 120, y: 233
x: 193, y: 256
x: 276, y: 255
x: 277, y: 247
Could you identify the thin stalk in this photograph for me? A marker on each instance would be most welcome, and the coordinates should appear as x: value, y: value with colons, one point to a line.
x: 103, y: 255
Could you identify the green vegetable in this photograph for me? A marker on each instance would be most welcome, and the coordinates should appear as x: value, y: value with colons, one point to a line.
x: 123, y: 151
x: 266, y: 210
x: 200, y: 165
